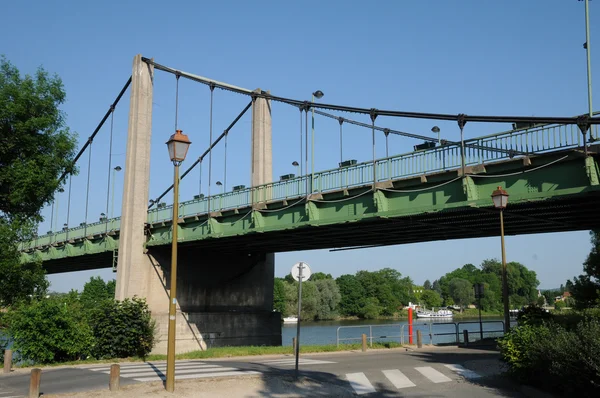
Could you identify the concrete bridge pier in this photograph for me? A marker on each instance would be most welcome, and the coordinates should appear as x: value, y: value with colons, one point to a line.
x: 223, y: 298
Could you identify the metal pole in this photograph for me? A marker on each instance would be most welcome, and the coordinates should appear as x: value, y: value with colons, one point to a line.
x: 373, y: 116
x: 341, y: 142
x: 462, y: 152
x: 170, y: 386
x: 112, y: 200
x: 504, y: 276
x: 480, y: 323
x: 589, y: 67
x: 299, y: 315
x: 306, y: 150
x: 312, y: 149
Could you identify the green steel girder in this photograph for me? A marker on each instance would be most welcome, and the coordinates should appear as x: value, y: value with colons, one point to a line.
x: 440, y: 206
x: 591, y: 167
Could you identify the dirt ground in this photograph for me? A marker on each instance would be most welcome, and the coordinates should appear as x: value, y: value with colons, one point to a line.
x: 251, y: 386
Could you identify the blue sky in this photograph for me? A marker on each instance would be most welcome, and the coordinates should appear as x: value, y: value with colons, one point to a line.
x: 510, y: 57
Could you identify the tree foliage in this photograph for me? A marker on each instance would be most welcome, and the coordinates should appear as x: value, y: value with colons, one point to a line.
x: 96, y: 291
x: 585, y: 288
x: 35, y: 149
x: 50, y: 330
x: 35, y: 145
x: 122, y: 328
x: 427, y: 285
x: 431, y: 298
x: 461, y: 291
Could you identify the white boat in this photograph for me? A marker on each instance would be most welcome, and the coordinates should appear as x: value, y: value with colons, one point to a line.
x: 290, y: 319
x: 437, y: 314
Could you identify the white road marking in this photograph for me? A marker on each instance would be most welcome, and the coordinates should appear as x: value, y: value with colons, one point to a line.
x: 292, y: 361
x: 151, y: 372
x: 398, y: 379
x: 433, y: 374
x: 197, y: 376
x: 466, y: 373
x: 360, y: 383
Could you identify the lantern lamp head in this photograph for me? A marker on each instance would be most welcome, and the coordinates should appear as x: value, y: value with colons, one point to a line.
x: 178, y: 146
x: 500, y: 198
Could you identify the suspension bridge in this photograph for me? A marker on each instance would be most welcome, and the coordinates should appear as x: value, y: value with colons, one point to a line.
x: 441, y: 190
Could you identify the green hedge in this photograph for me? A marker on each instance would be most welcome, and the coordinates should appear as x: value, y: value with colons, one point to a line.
x: 122, y: 329
x: 554, y: 357
x: 50, y: 330
x: 59, y: 329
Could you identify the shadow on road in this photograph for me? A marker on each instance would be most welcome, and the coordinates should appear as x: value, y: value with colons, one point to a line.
x: 484, y: 360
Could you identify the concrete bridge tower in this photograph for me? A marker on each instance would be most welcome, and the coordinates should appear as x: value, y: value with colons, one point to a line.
x: 223, y: 298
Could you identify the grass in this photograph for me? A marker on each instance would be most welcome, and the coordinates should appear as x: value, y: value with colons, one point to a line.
x: 228, y: 352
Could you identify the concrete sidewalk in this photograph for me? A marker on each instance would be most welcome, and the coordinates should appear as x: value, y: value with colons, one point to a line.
x: 244, y: 387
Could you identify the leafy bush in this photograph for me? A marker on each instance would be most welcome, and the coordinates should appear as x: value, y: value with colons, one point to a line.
x: 554, y: 358
x: 50, y: 330
x: 533, y: 315
x: 122, y: 329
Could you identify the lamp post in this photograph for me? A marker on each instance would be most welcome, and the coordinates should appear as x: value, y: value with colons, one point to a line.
x: 178, y: 146
x: 587, y: 46
x: 436, y: 130
x: 112, y: 201
x: 317, y: 94
x: 297, y: 165
x: 500, y: 198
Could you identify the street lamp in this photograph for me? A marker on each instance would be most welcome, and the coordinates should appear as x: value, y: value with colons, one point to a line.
x: 500, y: 198
x: 587, y: 46
x: 112, y: 201
x: 436, y: 130
x: 297, y: 165
x: 220, y: 184
x: 178, y: 146
x: 318, y: 95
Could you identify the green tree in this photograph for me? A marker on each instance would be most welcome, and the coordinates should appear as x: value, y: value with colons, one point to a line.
x: 50, y: 330
x: 310, y: 299
x: 461, y: 291
x: 427, y: 285
x: 18, y: 282
x: 436, y: 286
x: 585, y: 289
x: 369, y: 308
x: 317, y: 276
x: 328, y: 298
x: 279, y: 297
x: 35, y: 149
x: 431, y: 298
x: 122, y: 329
x: 352, y: 294
x: 95, y: 291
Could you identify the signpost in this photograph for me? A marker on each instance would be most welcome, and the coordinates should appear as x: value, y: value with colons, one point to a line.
x: 300, y: 271
x: 478, y: 295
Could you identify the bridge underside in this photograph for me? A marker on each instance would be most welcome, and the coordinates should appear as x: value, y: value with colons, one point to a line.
x: 552, y: 193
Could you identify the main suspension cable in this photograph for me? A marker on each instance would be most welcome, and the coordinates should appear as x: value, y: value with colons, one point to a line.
x: 367, y: 111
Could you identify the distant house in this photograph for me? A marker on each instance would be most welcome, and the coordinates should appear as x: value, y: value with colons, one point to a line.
x: 563, y: 297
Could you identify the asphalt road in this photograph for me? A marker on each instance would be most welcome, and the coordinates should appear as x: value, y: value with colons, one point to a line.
x: 431, y: 372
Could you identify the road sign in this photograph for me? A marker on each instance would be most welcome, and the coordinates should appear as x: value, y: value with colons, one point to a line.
x: 306, y: 272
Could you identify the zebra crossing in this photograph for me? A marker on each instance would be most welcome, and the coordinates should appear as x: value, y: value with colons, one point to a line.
x: 5, y: 393
x: 422, y: 375
x: 292, y: 362
x: 183, y: 370
x: 194, y: 369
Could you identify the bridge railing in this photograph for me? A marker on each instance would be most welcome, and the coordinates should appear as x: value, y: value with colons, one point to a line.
x: 490, y: 148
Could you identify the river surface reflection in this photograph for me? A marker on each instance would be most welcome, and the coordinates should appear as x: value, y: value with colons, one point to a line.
x: 436, y: 331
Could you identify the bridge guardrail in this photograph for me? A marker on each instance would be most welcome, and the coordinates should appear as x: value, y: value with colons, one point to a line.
x: 495, y: 147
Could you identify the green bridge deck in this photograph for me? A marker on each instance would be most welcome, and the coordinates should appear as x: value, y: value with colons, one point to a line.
x: 414, y: 197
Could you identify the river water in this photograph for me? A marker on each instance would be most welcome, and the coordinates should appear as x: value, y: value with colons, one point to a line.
x: 438, y: 331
